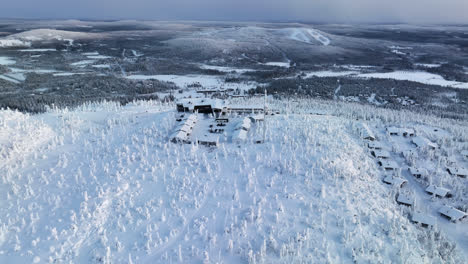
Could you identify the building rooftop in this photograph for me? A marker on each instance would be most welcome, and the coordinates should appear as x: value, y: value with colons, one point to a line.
x: 424, y: 219
x: 452, y: 213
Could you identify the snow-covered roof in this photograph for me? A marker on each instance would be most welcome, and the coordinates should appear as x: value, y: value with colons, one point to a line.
x: 404, y: 199
x: 381, y: 153
x: 183, y: 127
x: 397, y: 181
x: 464, y: 153
x: 388, y: 164
x: 366, y: 133
x: 439, y: 191
x: 179, y: 136
x: 453, y: 213
x: 244, y: 124
x: 192, y: 117
x: 398, y: 130
x: 416, y: 171
x: 408, y: 130
x: 375, y: 145
x: 393, y: 130
x: 239, y: 135
x: 423, y: 219
x: 458, y: 171
x: 423, y: 142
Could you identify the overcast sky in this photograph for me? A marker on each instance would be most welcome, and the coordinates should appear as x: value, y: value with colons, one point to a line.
x: 408, y: 11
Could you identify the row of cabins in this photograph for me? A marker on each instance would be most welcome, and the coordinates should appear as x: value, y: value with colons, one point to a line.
x: 386, y: 163
x: 460, y: 172
x: 431, y: 189
x: 418, y: 141
x: 396, y: 131
x: 184, y: 129
x: 422, y: 142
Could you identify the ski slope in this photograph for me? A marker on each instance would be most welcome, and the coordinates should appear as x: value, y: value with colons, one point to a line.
x: 308, y: 35
x: 103, y: 184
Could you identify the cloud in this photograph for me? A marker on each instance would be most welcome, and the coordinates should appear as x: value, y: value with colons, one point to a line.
x: 332, y: 11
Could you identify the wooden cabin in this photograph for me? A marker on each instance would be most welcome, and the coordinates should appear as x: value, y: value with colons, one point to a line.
x: 416, y: 172
x: 464, y: 153
x: 452, y: 213
x: 388, y: 164
x: 395, y: 181
x: 423, y: 219
x: 438, y: 191
x: 404, y: 199
x: 375, y: 145
x: 422, y: 142
x: 393, y: 131
x: 460, y: 172
x: 408, y: 132
x: 366, y: 133
x: 380, y: 154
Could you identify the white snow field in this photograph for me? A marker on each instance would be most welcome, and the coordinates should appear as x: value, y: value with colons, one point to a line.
x: 103, y: 184
x: 307, y: 35
x: 207, y: 81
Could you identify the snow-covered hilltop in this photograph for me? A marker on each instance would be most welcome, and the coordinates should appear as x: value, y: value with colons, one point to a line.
x: 104, y: 184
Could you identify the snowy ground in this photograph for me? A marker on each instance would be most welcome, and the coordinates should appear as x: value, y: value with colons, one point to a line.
x: 207, y: 81
x: 102, y: 184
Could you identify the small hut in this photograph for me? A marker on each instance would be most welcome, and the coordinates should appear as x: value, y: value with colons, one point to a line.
x: 395, y: 181
x: 388, y: 164
x: 408, y: 132
x: 460, y: 172
x: 423, y: 219
x: 416, y: 172
x: 464, y: 153
x: 393, y: 131
x: 438, y: 191
x: 380, y: 154
x: 422, y: 142
x: 375, y: 145
x: 366, y: 133
x: 452, y: 213
x: 404, y: 199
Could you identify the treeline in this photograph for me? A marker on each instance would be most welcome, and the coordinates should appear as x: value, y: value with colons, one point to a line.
x: 450, y: 101
x: 71, y: 91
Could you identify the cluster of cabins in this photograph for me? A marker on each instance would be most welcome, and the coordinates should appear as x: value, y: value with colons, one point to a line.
x: 384, y: 160
x: 218, y: 109
x: 184, y: 129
